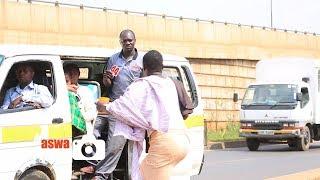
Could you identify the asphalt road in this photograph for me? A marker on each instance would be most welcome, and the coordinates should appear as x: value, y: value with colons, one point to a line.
x: 269, y: 161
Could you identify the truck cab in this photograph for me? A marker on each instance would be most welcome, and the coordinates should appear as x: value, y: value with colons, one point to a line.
x: 281, y: 107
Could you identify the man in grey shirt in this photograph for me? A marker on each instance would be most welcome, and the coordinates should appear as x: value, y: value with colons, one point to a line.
x: 121, y: 70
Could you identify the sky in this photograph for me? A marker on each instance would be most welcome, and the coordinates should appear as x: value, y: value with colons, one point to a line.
x: 298, y: 15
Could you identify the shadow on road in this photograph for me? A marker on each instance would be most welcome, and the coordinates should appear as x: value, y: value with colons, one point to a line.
x: 272, y: 148
x: 283, y: 147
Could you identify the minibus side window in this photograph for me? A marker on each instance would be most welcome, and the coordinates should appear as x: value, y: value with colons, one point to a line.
x: 174, y: 73
x: 42, y: 76
x: 191, y: 85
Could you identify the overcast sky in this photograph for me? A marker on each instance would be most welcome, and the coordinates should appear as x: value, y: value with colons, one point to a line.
x: 298, y: 15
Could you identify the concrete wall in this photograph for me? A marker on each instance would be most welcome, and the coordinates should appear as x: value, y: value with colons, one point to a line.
x: 218, y: 80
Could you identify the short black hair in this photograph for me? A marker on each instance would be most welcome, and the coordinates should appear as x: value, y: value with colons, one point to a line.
x: 153, y: 61
x: 26, y: 64
x: 71, y: 67
x: 127, y: 31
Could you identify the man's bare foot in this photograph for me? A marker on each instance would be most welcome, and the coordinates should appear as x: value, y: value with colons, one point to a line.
x: 87, y: 169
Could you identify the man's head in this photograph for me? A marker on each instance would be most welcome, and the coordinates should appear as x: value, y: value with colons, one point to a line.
x: 24, y: 73
x: 127, y: 40
x: 152, y: 62
x: 72, y: 73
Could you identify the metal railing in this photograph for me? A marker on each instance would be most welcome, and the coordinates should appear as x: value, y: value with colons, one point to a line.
x: 81, y: 6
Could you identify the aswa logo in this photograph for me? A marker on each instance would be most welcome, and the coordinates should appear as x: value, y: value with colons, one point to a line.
x: 55, y: 143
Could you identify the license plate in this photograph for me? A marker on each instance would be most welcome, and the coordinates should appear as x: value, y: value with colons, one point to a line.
x: 266, y: 132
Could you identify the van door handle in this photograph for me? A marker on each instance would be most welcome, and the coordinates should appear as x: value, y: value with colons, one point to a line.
x: 57, y: 120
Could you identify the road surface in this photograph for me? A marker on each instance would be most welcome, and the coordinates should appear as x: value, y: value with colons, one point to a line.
x: 270, y: 161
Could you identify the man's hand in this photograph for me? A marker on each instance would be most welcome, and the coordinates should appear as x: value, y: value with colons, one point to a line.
x: 101, y: 107
x: 15, y: 102
x: 35, y: 105
x: 72, y: 88
x: 107, y: 77
x: 185, y: 116
x: 108, y: 74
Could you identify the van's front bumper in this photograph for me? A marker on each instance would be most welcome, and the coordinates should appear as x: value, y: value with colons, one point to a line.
x: 271, y: 134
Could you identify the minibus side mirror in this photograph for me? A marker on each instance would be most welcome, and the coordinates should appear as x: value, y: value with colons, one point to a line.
x: 235, y: 97
x: 298, y: 96
x: 304, y: 90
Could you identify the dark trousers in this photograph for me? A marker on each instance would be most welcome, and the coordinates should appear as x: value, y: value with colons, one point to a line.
x: 114, y: 145
x: 77, y: 164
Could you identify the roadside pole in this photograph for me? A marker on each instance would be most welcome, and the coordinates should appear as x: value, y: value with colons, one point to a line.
x: 205, y: 132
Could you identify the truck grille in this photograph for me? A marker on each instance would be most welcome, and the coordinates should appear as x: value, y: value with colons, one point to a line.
x: 267, y: 126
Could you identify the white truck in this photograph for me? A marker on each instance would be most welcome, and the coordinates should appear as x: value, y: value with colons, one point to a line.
x: 283, y: 105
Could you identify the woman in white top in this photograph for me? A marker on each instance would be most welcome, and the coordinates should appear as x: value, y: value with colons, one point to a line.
x: 151, y: 103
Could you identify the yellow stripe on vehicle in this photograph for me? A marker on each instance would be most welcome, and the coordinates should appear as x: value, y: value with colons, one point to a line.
x: 31, y: 132
x: 194, y: 121
x: 56, y: 131
x: 20, y: 133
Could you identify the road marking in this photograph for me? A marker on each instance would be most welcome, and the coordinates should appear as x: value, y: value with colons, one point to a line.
x: 313, y: 174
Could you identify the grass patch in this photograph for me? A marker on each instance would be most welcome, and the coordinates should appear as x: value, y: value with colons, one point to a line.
x: 230, y: 133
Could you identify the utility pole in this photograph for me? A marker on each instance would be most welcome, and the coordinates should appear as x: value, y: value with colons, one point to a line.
x: 271, y: 13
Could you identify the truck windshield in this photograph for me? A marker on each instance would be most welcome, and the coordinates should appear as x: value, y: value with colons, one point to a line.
x: 270, y: 96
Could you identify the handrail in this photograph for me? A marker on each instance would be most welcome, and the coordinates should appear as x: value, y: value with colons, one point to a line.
x: 81, y: 6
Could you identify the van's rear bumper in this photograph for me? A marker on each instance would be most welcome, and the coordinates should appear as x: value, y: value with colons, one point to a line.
x: 274, y: 134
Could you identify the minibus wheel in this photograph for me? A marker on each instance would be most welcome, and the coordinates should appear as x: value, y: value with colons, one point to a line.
x: 33, y: 174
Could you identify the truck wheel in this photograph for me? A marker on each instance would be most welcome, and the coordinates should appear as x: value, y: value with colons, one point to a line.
x: 292, y: 143
x: 34, y: 174
x: 253, y: 144
x: 303, y: 143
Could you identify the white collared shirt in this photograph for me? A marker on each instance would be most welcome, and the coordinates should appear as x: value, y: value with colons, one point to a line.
x: 31, y: 93
x: 86, y: 103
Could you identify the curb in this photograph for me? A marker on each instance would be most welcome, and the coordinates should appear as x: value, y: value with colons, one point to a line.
x: 226, y: 144
x: 313, y: 174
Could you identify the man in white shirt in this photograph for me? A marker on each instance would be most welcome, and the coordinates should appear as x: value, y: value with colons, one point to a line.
x: 27, y: 93
x: 86, y: 102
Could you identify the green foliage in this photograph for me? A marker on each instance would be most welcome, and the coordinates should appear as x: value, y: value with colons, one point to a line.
x: 230, y: 133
